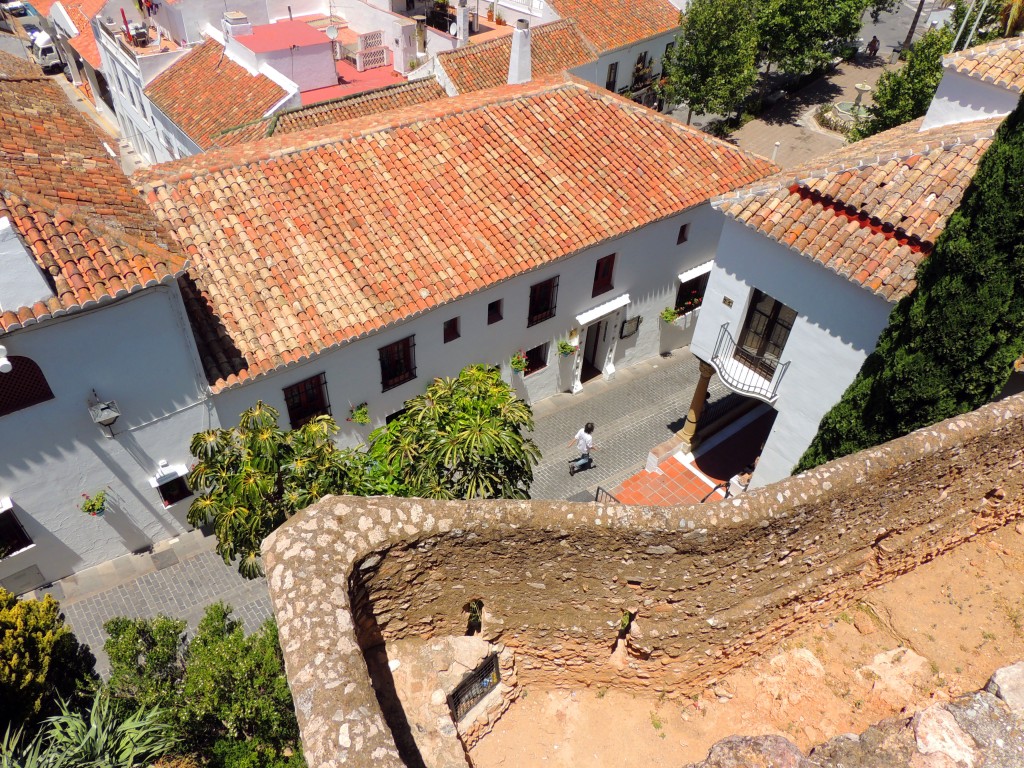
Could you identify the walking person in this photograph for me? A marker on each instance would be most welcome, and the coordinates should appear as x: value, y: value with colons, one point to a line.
x: 584, y: 440
x: 873, y: 46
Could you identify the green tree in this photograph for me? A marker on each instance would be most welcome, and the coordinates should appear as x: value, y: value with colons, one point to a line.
x: 712, y: 67
x: 41, y: 661
x: 799, y: 35
x: 462, y: 439
x: 1011, y: 17
x: 950, y: 346
x: 253, y: 477
x: 904, y: 94
x: 225, y: 693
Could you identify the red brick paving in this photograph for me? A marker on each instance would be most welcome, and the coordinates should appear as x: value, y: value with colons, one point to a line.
x: 676, y: 483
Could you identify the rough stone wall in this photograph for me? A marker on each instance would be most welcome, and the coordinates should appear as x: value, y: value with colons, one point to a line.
x: 708, y: 587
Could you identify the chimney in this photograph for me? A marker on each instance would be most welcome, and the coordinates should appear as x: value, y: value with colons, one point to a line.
x: 462, y: 22
x: 519, y: 62
x: 236, y: 24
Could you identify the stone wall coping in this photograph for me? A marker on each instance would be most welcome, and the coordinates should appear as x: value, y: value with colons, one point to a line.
x: 309, y: 561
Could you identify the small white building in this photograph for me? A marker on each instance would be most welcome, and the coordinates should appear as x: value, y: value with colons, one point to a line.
x: 101, y: 385
x: 812, y: 261
x: 460, y: 231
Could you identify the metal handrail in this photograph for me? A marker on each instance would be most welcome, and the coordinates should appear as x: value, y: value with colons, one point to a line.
x: 737, y: 373
x: 605, y: 496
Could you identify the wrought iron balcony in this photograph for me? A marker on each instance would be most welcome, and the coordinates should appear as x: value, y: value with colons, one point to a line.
x: 746, y: 373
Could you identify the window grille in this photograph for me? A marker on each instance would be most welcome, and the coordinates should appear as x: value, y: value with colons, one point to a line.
x: 397, y: 363
x: 307, y: 399
x: 474, y: 687
x: 543, y: 299
x: 23, y: 386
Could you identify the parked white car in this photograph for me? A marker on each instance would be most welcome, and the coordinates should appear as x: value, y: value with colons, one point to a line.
x: 45, y: 53
x: 15, y: 8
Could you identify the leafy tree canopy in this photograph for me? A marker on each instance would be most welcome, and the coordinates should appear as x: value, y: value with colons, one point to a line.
x: 254, y: 476
x: 462, y: 439
x: 904, y: 94
x: 799, y: 35
x: 225, y: 693
x: 712, y: 67
x: 41, y: 661
x: 949, y: 347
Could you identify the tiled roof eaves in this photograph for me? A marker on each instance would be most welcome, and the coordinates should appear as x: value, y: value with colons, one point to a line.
x: 302, y: 323
x: 998, y: 63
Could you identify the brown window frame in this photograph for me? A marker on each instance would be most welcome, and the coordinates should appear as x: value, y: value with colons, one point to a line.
x: 692, y: 290
x: 536, y: 359
x: 765, y: 333
x: 604, y: 271
x: 613, y: 76
x: 401, y: 366
x: 307, y: 399
x: 495, y: 313
x: 543, y: 301
x: 451, y: 329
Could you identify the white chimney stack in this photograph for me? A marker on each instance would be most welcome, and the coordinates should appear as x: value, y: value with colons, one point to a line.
x: 236, y: 24
x: 519, y: 62
x: 462, y: 22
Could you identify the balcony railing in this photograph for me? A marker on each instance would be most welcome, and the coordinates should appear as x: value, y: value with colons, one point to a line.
x: 752, y: 375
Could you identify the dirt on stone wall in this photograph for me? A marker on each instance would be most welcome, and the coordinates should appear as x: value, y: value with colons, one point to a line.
x: 702, y: 600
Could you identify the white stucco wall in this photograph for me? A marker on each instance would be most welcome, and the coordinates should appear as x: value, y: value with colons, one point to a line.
x: 960, y: 99
x: 137, y: 352
x: 838, y: 325
x: 597, y: 72
x: 646, y: 267
x: 309, y: 67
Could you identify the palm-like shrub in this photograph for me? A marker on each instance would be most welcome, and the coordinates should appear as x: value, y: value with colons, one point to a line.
x: 462, y: 439
x: 252, y: 477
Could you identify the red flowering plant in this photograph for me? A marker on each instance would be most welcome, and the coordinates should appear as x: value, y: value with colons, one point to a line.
x: 93, y: 505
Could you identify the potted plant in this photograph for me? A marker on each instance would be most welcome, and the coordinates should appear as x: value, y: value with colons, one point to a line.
x: 670, y: 314
x: 565, y: 348
x: 95, y: 504
x: 359, y: 414
x: 499, y: 19
x: 519, y: 362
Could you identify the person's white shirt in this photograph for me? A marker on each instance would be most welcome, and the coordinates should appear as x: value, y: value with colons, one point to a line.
x: 584, y: 441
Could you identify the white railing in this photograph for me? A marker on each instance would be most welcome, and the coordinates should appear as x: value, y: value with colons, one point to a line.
x: 756, y: 376
x: 535, y: 7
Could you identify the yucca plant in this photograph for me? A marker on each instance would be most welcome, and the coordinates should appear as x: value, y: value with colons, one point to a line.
x: 101, y: 739
x: 15, y: 752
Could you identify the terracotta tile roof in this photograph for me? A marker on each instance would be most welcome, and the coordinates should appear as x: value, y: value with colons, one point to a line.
x: 336, y: 111
x: 870, y: 212
x: 84, y: 42
x: 204, y: 92
x: 13, y: 67
x: 309, y: 240
x: 72, y: 207
x: 554, y: 48
x: 611, y: 24
x: 1000, y: 63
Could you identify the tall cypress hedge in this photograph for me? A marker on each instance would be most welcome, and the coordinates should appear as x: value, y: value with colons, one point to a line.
x: 950, y: 346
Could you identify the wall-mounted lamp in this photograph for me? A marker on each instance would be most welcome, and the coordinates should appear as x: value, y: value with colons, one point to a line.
x: 103, y: 413
x: 5, y: 364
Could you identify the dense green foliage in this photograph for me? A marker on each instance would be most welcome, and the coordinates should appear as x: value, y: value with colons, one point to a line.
x: 41, y: 661
x: 101, y: 738
x: 225, y: 694
x: 904, y: 94
x: 712, y: 67
x: 799, y: 35
x: 462, y: 439
x: 251, y: 478
x: 950, y: 346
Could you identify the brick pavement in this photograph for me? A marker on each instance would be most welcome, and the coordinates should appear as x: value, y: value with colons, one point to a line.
x: 641, y: 407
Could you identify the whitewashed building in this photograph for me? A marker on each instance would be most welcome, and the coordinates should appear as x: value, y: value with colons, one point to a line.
x: 101, y: 384
x: 811, y: 261
x: 401, y: 249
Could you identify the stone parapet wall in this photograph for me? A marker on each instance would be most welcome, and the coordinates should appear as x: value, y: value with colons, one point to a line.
x: 707, y: 587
